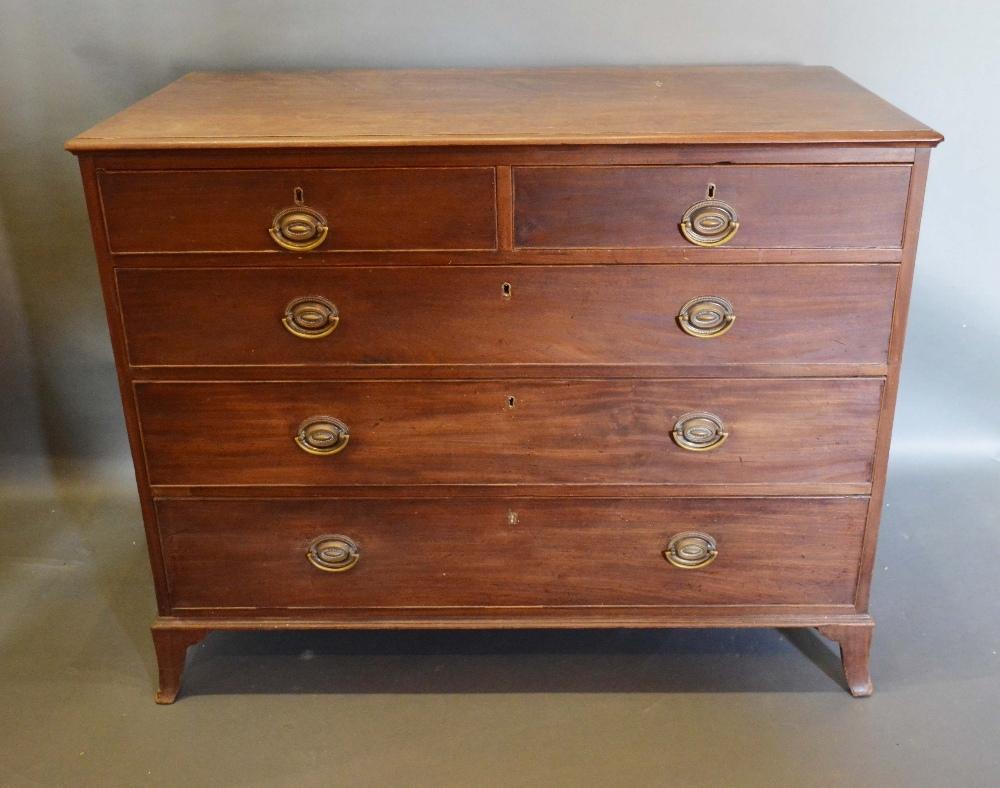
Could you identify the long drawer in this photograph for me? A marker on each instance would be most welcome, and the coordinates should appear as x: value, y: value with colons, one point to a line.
x: 363, y: 209
x: 405, y: 553
x: 629, y: 314
x: 802, y: 206
x: 513, y: 431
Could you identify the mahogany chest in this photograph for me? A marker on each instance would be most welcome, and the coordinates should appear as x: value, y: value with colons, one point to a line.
x: 555, y: 348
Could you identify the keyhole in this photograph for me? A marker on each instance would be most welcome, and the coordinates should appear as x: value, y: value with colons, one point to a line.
x: 711, y: 191
x: 299, y: 195
x: 511, y: 402
x: 512, y: 517
x: 506, y: 289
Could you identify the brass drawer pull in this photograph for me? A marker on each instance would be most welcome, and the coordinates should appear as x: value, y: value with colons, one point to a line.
x: 333, y: 553
x: 706, y: 317
x: 322, y: 435
x: 691, y: 550
x: 699, y: 431
x: 710, y: 222
x: 311, y: 317
x: 299, y: 228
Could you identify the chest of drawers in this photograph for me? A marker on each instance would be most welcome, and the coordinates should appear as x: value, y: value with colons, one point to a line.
x: 570, y: 348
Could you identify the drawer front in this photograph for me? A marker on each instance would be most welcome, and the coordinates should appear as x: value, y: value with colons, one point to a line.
x: 624, y: 314
x: 514, y: 431
x: 796, y: 206
x: 253, y: 553
x: 364, y: 209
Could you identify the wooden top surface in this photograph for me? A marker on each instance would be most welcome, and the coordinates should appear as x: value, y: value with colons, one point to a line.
x: 679, y: 105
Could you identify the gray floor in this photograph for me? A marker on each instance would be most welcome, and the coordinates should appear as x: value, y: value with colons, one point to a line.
x: 636, y: 708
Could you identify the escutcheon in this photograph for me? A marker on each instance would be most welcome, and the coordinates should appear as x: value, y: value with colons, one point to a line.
x: 691, y: 550
x: 699, y: 431
x: 311, y: 317
x: 706, y: 317
x: 710, y: 222
x: 333, y: 553
x: 322, y: 435
x: 299, y: 228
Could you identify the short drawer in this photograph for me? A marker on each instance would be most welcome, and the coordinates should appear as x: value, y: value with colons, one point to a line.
x: 624, y: 314
x: 514, y: 431
x: 776, y: 206
x: 361, y: 209
x: 339, y: 553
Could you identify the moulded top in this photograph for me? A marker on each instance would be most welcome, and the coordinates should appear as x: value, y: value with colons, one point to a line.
x: 572, y: 106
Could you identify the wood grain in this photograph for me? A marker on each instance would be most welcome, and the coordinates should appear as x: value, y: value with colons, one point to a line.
x: 525, y: 617
x: 778, y: 206
x: 665, y: 489
x: 667, y: 370
x: 898, y: 334
x: 375, y: 209
x: 327, y: 258
x: 112, y: 309
x: 855, y: 641
x: 464, y: 432
x: 716, y: 104
x: 579, y: 315
x: 251, y: 553
x: 569, y: 185
x: 171, y: 644
x: 497, y: 156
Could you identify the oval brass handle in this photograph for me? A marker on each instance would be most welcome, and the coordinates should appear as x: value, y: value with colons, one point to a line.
x: 322, y: 435
x: 311, y: 317
x: 710, y: 223
x: 706, y: 317
x: 691, y: 550
x: 299, y: 229
x: 333, y: 553
x: 699, y: 431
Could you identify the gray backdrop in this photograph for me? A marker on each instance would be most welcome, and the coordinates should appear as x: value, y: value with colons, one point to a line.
x: 66, y: 65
